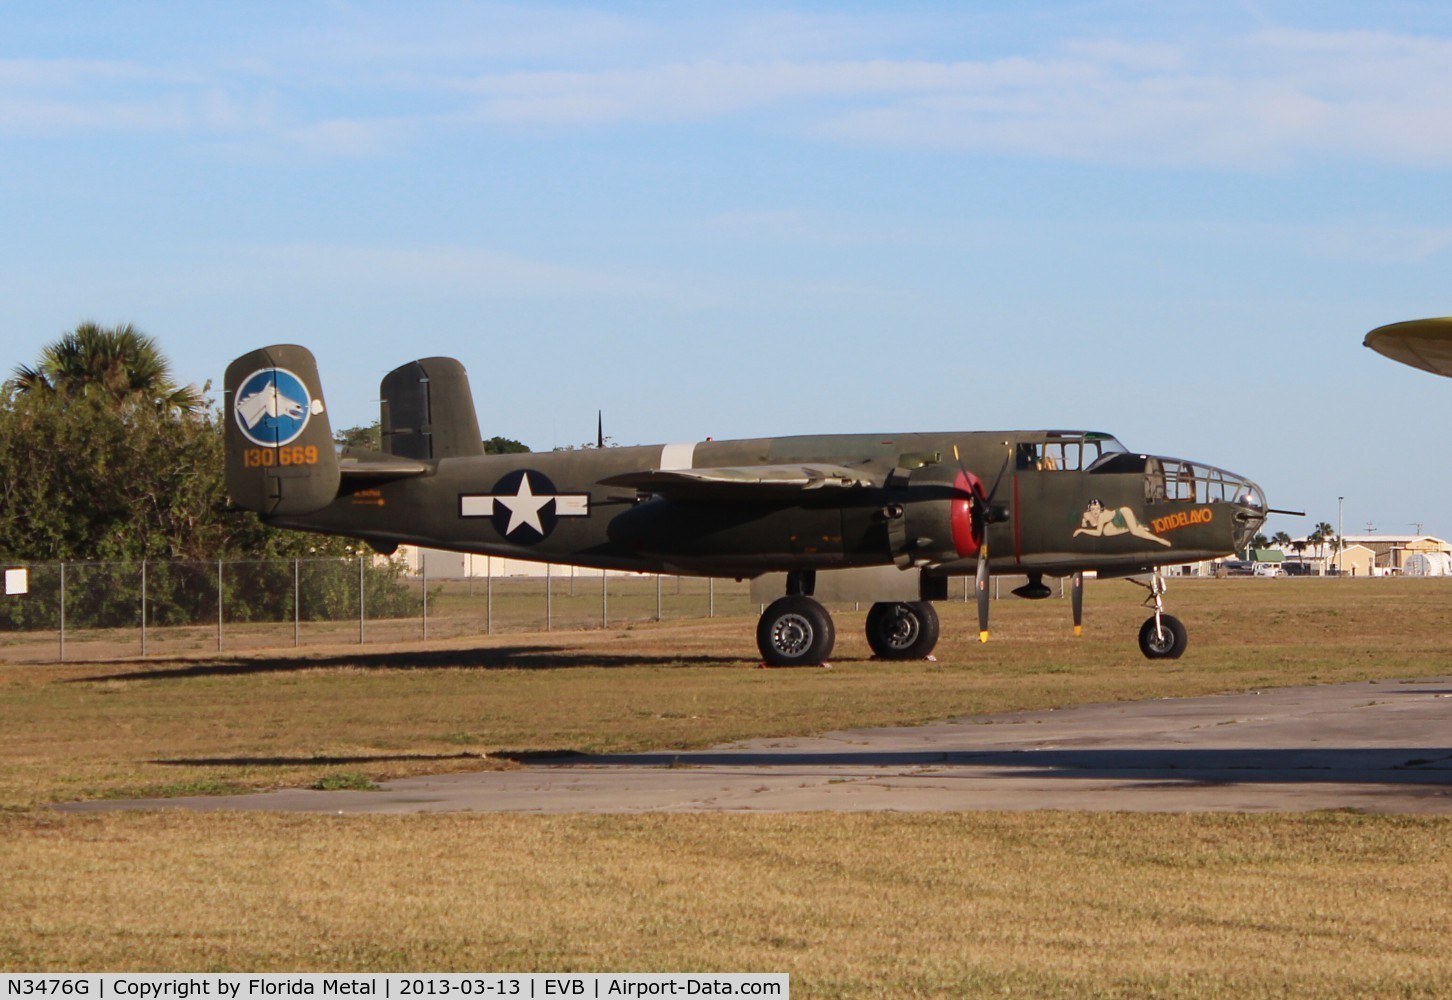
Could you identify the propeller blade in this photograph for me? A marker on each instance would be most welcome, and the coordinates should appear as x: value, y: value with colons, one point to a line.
x: 1078, y: 601
x: 981, y: 584
x: 999, y: 478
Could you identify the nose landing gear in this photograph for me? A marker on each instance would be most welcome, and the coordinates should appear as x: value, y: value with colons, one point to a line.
x: 1162, y: 636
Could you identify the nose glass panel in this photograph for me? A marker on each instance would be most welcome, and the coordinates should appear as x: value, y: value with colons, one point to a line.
x: 1192, y: 482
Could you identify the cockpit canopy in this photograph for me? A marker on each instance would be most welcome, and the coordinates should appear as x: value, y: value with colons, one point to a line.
x: 1066, y: 451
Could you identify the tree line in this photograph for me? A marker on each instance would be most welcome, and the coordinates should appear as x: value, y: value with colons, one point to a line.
x: 105, y: 456
x: 106, y: 459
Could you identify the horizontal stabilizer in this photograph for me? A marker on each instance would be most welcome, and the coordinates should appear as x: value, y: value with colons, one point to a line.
x: 356, y: 463
x: 745, y: 482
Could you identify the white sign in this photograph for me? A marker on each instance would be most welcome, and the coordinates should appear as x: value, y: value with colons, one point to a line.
x: 17, y: 581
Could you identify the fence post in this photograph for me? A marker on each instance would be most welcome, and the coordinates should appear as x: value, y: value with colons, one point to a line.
x: 296, y: 605
x: 488, y: 595
x: 423, y: 565
x: 219, y: 605
x: 549, y: 601
x: 604, y: 599
x: 360, y: 599
x: 143, y: 607
x: 657, y: 597
x: 63, y: 611
x: 710, y: 597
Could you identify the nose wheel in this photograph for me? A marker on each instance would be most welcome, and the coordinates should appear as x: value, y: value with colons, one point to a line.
x: 1162, y: 636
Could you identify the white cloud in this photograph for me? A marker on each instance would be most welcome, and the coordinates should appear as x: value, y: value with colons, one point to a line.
x: 460, y: 272
x: 1267, y: 98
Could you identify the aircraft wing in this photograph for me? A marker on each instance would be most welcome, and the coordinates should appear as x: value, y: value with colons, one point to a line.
x: 744, y: 482
x: 1421, y: 343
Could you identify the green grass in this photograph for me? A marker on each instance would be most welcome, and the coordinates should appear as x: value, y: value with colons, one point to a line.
x: 87, y: 730
x: 857, y: 905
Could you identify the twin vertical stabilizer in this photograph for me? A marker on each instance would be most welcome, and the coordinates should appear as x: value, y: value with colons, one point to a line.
x: 280, y: 455
x: 281, y: 460
x: 427, y: 411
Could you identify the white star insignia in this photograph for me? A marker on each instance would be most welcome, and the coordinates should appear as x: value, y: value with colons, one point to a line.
x: 524, y: 507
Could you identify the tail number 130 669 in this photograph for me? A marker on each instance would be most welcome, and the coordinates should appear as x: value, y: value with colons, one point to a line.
x: 266, y: 458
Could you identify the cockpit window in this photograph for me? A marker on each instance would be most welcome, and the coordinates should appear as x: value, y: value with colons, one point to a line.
x: 1066, y: 451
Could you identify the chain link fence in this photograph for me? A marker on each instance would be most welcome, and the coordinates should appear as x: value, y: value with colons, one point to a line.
x: 100, y: 611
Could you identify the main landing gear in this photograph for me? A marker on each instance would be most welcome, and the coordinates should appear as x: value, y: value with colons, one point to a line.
x: 797, y: 631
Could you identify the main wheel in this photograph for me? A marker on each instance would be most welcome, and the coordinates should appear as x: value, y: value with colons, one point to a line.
x: 902, y: 630
x: 795, y: 631
x: 1169, y: 645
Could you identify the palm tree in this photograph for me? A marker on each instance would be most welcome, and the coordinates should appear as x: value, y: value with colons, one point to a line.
x: 1323, y: 536
x: 121, y: 361
x: 1281, y: 540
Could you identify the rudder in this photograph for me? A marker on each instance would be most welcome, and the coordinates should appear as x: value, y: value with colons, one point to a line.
x: 428, y: 411
x: 279, y: 445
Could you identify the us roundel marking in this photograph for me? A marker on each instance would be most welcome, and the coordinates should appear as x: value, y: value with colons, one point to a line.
x: 524, y: 507
x: 273, y: 407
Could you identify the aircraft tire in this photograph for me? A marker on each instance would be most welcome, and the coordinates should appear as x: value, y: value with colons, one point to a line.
x: 902, y: 630
x: 1171, y: 646
x: 795, y: 631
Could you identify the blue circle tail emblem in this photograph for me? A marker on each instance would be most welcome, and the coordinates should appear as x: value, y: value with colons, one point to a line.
x: 273, y: 407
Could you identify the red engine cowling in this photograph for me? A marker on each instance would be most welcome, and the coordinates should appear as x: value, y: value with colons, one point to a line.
x: 967, y: 532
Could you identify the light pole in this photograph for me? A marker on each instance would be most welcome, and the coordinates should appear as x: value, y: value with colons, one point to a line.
x: 1340, y: 536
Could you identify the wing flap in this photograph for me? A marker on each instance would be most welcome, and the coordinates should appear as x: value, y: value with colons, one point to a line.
x: 742, y: 482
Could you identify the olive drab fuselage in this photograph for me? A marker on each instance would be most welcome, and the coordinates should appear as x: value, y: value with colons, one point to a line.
x: 552, y: 507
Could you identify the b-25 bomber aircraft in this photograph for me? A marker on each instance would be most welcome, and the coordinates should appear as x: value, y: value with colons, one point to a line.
x: 882, y: 518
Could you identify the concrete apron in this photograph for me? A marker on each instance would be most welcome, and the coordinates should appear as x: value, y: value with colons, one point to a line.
x: 1382, y: 747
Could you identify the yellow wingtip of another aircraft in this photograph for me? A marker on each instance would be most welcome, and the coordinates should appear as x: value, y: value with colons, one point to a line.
x: 1420, y: 343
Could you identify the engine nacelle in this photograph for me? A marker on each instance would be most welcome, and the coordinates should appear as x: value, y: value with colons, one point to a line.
x: 936, y: 522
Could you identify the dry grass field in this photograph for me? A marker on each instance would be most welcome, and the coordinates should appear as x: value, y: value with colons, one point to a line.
x: 878, y: 905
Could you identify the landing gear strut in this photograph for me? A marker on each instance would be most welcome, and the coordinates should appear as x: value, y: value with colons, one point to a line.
x: 1162, y: 636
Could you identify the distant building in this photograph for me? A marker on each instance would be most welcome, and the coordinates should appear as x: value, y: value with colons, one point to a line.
x: 1376, y: 555
x: 1393, y: 552
x: 439, y: 564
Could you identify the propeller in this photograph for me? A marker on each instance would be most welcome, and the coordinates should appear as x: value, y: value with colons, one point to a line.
x: 1077, y: 589
x: 984, y: 514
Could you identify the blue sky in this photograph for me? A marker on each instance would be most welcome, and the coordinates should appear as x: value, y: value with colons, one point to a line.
x: 1174, y: 222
